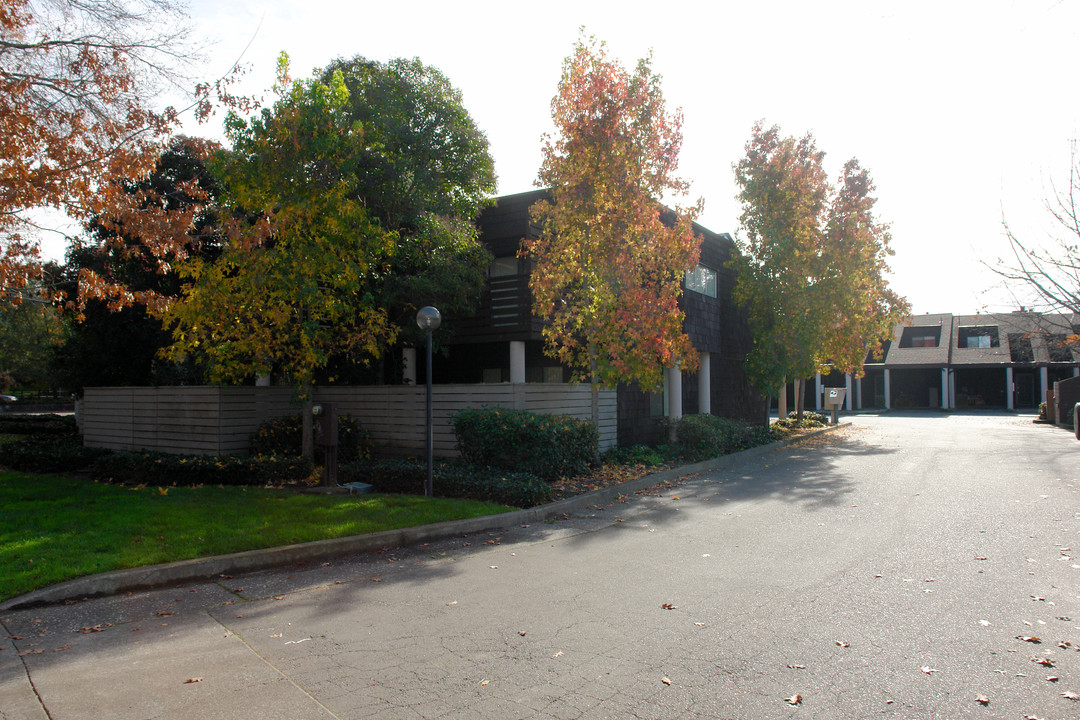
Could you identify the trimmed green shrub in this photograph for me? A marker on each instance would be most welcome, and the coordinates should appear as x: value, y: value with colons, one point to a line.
x: 38, y: 425
x: 548, y: 446
x: 154, y: 468
x: 283, y: 435
x: 449, y: 479
x: 699, y: 437
x: 635, y: 455
x: 48, y: 454
x: 810, y: 420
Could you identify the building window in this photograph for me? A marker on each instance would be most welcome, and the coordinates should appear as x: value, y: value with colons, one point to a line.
x: 1020, y: 350
x: 702, y: 280
x: 983, y: 336
x: 504, y: 266
x: 920, y: 337
x: 1059, y: 348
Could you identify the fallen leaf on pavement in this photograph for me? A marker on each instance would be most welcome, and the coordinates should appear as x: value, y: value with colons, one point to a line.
x: 793, y: 700
x: 666, y: 680
x: 1052, y: 678
x: 668, y: 606
x: 797, y: 667
x: 485, y: 682
x: 982, y: 699
x: 62, y: 649
x: 558, y: 654
x: 1070, y: 695
x: 841, y: 643
x: 1046, y: 662
x: 928, y: 670
x: 30, y: 652
x: 1029, y: 638
x: 193, y: 680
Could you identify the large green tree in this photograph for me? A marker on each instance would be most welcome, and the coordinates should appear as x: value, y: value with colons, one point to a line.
x: 610, y: 258
x: 424, y: 173
x: 114, y: 341
x: 811, y: 262
x: 337, y: 225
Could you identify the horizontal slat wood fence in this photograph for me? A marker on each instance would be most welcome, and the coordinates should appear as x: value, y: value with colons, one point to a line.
x: 209, y: 420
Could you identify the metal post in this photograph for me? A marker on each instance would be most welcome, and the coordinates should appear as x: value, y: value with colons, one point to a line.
x: 429, y: 487
x: 428, y: 319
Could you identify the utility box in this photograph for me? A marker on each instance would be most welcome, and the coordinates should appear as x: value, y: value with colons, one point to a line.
x: 325, y: 424
x: 834, y: 400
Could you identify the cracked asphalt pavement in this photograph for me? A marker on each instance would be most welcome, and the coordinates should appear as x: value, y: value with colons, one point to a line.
x: 910, y: 566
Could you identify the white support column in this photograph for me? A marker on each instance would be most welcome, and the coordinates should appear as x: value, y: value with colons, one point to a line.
x: 704, y: 385
x: 945, y: 405
x: 817, y: 392
x: 675, y: 393
x: 858, y: 393
x: 517, y: 361
x: 408, y: 365
x: 1009, y: 404
x: 848, y: 401
x: 1044, y: 384
x: 888, y: 391
x: 952, y: 389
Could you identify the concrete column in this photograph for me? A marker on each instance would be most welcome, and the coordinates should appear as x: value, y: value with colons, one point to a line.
x: 1009, y: 390
x: 1044, y: 384
x: 888, y: 391
x: 858, y: 393
x: 675, y: 394
x: 945, y: 405
x: 517, y: 361
x: 847, y: 392
x: 817, y: 392
x: 704, y: 385
x: 408, y: 366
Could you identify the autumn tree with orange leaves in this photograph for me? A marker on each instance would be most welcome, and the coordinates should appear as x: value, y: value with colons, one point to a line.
x: 77, y: 80
x: 811, y: 263
x: 610, y: 258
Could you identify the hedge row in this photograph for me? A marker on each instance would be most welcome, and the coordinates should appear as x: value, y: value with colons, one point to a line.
x: 548, y: 446
x: 449, y: 479
x: 38, y: 425
x: 48, y: 454
x: 698, y: 437
x: 156, y: 468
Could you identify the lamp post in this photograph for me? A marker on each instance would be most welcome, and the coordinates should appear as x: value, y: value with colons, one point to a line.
x: 429, y: 319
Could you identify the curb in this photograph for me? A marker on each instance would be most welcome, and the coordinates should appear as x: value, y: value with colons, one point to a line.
x: 149, y: 576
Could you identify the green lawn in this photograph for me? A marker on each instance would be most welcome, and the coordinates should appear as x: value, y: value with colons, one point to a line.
x: 54, y: 528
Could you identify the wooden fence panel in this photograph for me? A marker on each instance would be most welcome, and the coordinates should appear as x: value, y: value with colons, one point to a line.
x: 220, y: 420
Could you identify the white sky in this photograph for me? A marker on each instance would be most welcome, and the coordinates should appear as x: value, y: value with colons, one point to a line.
x: 960, y: 110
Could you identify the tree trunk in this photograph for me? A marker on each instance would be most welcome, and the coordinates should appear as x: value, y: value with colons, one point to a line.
x: 800, y: 399
x: 594, y: 392
x: 781, y: 401
x: 307, y: 443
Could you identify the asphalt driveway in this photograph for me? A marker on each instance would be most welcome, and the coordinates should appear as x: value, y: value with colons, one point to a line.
x: 911, y: 566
